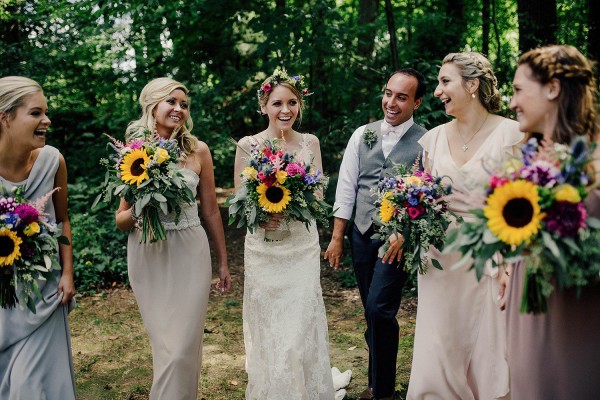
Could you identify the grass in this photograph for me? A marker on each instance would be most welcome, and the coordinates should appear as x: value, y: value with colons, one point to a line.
x: 112, y: 353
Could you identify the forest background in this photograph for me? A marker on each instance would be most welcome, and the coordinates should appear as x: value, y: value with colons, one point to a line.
x: 93, y: 57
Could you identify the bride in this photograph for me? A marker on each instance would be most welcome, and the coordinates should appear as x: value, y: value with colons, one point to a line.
x: 285, y: 327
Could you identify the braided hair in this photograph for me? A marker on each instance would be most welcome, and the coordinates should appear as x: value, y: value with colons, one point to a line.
x: 577, y: 105
x: 473, y: 65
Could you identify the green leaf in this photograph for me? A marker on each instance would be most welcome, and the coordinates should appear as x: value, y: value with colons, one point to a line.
x: 159, y: 197
x: 436, y: 264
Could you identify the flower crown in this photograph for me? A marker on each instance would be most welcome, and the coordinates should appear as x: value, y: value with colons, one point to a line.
x: 279, y: 76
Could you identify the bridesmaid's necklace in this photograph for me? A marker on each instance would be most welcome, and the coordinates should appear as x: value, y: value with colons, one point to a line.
x: 465, y: 146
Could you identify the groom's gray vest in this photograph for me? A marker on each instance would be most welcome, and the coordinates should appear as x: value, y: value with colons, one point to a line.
x: 373, y: 166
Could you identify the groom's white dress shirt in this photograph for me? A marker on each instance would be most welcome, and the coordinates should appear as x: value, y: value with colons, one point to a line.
x: 347, y: 186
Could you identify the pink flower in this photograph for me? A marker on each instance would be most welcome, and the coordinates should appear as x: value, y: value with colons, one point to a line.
x: 136, y: 144
x: 496, y: 182
x: 305, y: 91
x: 266, y: 87
x: 415, y: 212
x: 294, y: 169
x: 267, y: 179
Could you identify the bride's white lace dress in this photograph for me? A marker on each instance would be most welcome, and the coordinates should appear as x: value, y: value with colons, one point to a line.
x: 285, y: 327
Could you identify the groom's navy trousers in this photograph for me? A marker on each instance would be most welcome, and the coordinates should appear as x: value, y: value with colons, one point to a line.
x: 380, y: 287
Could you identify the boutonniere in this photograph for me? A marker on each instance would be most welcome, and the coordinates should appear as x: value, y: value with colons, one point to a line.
x: 369, y: 137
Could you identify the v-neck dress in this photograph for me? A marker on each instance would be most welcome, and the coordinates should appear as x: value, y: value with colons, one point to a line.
x: 460, y: 341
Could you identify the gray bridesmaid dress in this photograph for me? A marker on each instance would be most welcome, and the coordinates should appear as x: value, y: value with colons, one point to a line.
x: 171, y: 282
x: 35, y: 349
x: 556, y: 355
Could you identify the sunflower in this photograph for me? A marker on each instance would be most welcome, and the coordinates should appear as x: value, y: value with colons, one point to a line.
x: 10, y: 249
x: 386, y: 209
x: 513, y: 212
x: 133, y: 167
x: 274, y: 198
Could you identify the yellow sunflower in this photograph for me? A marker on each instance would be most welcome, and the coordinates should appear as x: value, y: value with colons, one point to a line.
x: 10, y: 249
x: 133, y: 167
x: 386, y: 209
x: 513, y: 212
x: 273, y: 199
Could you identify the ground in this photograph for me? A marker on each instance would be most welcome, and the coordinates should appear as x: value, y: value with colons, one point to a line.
x: 113, y: 359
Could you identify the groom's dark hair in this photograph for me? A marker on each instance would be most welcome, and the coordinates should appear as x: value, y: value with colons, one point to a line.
x: 417, y: 75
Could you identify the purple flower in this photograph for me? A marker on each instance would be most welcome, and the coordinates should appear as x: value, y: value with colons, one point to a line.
x: 566, y: 218
x: 312, y: 179
x: 541, y: 173
x: 27, y: 213
x: 7, y: 204
x: 27, y: 250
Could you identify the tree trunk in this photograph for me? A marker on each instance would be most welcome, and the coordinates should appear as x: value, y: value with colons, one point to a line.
x: 367, y: 13
x: 593, y: 44
x: 389, y: 13
x: 537, y: 23
x: 485, y: 27
x: 456, y: 24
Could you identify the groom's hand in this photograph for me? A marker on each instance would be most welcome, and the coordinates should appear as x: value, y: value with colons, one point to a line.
x: 394, y: 252
x: 334, y: 252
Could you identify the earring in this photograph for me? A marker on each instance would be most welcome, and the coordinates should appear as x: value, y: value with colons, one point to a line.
x: 473, y: 95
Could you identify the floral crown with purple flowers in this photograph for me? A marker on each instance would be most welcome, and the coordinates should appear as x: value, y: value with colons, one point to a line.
x: 279, y: 76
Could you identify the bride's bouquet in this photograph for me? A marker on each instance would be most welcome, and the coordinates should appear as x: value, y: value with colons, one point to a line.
x: 28, y: 248
x: 534, y: 210
x: 277, y: 182
x: 145, y: 172
x: 411, y: 203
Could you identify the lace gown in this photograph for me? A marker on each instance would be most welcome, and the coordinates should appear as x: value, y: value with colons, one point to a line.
x: 460, y: 343
x: 285, y: 327
x: 171, y: 282
x: 35, y: 349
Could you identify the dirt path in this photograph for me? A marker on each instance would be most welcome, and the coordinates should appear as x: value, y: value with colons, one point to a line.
x: 113, y: 359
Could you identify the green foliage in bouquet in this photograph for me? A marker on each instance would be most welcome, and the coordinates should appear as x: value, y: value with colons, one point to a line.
x: 28, y: 248
x: 534, y: 211
x: 146, y: 174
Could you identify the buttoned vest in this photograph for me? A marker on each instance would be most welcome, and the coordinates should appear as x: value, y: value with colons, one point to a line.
x: 373, y: 167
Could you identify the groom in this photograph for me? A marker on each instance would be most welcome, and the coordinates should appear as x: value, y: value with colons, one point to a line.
x: 372, y: 151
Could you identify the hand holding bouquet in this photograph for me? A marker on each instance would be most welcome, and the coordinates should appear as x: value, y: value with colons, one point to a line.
x: 410, y: 203
x: 28, y: 248
x: 146, y: 174
x: 535, y: 209
x: 276, y: 182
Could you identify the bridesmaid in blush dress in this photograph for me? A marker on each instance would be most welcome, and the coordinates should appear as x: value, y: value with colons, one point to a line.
x: 171, y: 278
x: 459, y: 350
x: 556, y: 355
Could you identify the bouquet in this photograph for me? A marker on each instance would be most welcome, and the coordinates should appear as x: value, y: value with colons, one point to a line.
x: 410, y: 203
x: 28, y: 248
x: 534, y: 209
x: 274, y: 182
x: 146, y: 174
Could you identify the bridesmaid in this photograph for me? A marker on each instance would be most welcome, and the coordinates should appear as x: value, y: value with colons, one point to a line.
x: 171, y: 278
x: 459, y: 350
x: 35, y: 349
x: 555, y: 355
